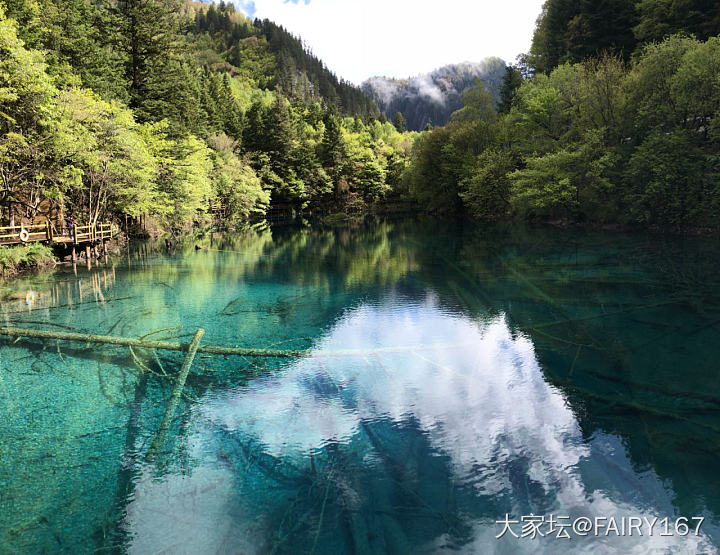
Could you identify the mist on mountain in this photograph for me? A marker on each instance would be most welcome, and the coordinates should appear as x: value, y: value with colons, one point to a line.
x: 430, y: 98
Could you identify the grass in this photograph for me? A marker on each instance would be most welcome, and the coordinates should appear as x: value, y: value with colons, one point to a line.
x: 21, y: 257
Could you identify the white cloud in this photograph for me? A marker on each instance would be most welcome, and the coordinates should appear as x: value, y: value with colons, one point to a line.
x: 400, y: 38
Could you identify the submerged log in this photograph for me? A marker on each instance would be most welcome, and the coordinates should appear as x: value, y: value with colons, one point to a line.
x: 174, y: 397
x: 213, y: 350
x: 147, y: 344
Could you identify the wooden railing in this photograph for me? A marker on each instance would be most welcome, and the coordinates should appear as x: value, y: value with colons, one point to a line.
x: 90, y: 233
x: 25, y: 233
x: 10, y: 235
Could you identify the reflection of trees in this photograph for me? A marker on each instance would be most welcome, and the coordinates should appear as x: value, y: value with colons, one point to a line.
x: 616, y: 321
x: 261, y: 286
x: 627, y: 328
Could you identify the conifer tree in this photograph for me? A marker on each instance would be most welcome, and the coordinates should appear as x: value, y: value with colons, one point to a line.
x: 511, y: 82
x: 399, y: 122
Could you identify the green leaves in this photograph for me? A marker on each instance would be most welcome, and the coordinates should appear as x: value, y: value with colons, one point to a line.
x: 478, y: 105
x: 596, y: 141
x: 125, y: 112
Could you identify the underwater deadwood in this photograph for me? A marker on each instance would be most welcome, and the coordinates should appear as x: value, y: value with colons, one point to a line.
x: 175, y: 396
x: 130, y: 342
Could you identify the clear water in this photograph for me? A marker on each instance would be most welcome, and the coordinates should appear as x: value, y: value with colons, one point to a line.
x: 454, y: 375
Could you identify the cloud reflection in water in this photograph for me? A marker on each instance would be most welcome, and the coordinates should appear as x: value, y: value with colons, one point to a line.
x: 472, y: 389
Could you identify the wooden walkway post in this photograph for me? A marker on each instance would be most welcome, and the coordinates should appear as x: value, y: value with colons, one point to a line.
x: 174, y: 397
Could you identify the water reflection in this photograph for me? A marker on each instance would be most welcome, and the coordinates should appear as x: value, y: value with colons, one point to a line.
x: 456, y: 375
x: 437, y: 427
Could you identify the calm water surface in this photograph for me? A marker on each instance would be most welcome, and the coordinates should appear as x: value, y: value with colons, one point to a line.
x: 454, y: 375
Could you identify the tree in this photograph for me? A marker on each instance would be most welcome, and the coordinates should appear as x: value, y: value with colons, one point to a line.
x: 101, y: 146
x: 365, y: 173
x: 332, y: 148
x: 80, y: 38
x: 149, y: 38
x: 673, y: 181
x: 659, y: 19
x: 238, y: 187
x: 27, y: 116
x: 399, y: 122
x: 571, y: 182
x: 487, y: 192
x: 511, y: 83
x: 572, y: 31
x: 478, y: 105
x: 184, y: 180
x: 548, y: 43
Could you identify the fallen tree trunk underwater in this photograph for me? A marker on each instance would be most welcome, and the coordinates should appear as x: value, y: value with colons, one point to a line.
x: 152, y: 454
x: 148, y: 344
x: 214, y: 350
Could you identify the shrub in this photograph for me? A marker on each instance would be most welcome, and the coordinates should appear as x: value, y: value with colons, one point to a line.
x: 20, y: 257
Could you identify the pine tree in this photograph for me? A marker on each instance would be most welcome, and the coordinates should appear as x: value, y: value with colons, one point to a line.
x: 332, y: 152
x: 511, y: 82
x: 149, y: 32
x: 399, y: 122
x: 253, y: 138
x: 233, y: 115
x: 279, y: 134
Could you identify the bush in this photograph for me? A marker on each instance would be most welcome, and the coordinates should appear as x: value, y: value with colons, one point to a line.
x: 21, y: 257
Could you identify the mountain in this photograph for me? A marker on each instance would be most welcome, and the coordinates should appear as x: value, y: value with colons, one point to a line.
x: 266, y: 54
x: 432, y: 97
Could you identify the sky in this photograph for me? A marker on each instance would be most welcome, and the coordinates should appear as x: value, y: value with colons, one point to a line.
x: 358, y: 39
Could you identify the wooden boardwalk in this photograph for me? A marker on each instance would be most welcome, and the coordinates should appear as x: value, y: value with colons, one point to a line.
x: 45, y: 233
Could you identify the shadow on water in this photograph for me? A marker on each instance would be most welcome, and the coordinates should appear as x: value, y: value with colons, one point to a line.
x: 457, y: 373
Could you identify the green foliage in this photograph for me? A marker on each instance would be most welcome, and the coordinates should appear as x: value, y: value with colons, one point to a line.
x: 478, y: 105
x: 486, y: 192
x: 365, y: 173
x: 673, y: 180
x: 573, y: 31
x: 107, y: 165
x: 511, y: 83
x: 269, y: 56
x: 26, y: 114
x: 601, y: 140
x: 238, y: 186
x: 399, y: 122
x: 432, y: 179
x: 661, y: 18
x: 565, y: 183
x: 24, y: 256
x: 153, y: 107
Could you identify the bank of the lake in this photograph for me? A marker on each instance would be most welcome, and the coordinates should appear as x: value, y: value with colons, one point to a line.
x: 16, y: 259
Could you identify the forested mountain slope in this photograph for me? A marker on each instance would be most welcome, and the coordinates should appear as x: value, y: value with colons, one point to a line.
x: 572, y: 30
x: 168, y: 109
x: 430, y: 98
x: 611, y: 118
x: 269, y: 55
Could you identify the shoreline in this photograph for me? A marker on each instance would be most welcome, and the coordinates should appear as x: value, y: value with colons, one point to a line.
x: 53, y: 260
x: 46, y: 264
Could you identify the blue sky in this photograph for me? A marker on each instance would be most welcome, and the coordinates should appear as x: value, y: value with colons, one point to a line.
x: 358, y: 39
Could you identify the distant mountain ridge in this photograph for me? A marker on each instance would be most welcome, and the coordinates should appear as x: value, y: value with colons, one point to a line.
x: 432, y: 97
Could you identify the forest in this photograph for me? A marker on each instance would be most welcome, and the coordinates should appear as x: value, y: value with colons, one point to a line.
x: 611, y: 119
x: 169, y: 113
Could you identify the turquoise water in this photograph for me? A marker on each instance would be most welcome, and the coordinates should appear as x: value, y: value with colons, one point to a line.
x: 454, y: 375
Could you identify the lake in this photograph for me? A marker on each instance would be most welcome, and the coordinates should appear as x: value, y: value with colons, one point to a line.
x: 460, y: 383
